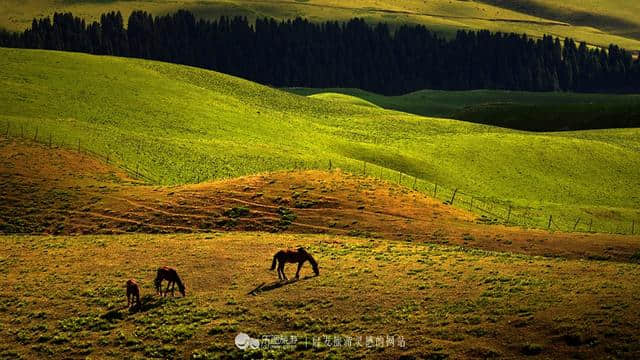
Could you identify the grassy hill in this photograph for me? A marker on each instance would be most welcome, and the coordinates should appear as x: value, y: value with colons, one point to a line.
x: 610, y: 15
x: 343, y: 98
x: 443, y: 301
x: 597, y: 22
x: 514, y: 109
x: 58, y: 191
x: 176, y: 124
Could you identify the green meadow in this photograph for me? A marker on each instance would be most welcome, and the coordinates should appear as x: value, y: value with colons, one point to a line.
x: 514, y: 109
x: 598, y: 22
x: 176, y: 124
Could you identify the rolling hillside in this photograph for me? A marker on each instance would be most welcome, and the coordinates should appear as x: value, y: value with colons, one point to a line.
x: 343, y: 98
x: 594, y: 21
x: 176, y: 125
x: 58, y: 191
x: 612, y: 16
x: 536, y: 111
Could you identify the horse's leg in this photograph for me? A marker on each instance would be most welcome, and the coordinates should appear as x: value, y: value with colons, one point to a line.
x: 173, y: 289
x: 284, y: 277
x: 298, y: 271
x: 128, y: 299
x: 278, y: 270
x: 166, y: 291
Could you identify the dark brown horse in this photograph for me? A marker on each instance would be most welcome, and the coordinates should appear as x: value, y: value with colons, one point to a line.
x: 171, y: 275
x: 293, y: 256
x: 133, y: 293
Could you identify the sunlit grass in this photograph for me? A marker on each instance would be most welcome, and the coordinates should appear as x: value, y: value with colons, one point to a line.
x: 442, y: 300
x: 177, y: 124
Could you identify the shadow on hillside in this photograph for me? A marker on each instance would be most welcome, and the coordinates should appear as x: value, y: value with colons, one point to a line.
x: 276, y: 285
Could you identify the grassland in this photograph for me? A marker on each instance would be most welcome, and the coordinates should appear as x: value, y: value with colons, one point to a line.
x: 609, y: 15
x: 342, y: 98
x: 65, y: 298
x: 597, y: 22
x: 452, y: 104
x: 179, y: 125
x: 50, y: 190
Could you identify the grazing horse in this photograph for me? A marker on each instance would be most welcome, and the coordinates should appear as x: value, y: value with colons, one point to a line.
x: 133, y: 293
x: 293, y: 256
x: 171, y: 275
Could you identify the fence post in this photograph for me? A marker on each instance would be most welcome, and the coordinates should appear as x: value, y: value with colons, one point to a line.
x: 576, y: 224
x: 509, y: 214
x: 453, y: 197
x: 79, y: 145
x: 399, y: 178
x: 590, y: 223
x: 471, y: 204
x: 435, y: 190
x: 330, y: 165
x: 415, y: 179
x: 549, y: 226
x: 35, y: 136
x: 633, y: 227
x: 8, y: 126
x: 364, y: 168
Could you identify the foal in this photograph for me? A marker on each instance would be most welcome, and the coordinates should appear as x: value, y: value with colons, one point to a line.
x: 293, y: 256
x: 171, y: 275
x: 133, y: 293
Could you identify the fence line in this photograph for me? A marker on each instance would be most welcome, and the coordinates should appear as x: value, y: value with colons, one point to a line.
x: 493, y: 211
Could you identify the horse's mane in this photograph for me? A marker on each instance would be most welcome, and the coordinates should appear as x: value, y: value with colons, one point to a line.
x: 313, y: 261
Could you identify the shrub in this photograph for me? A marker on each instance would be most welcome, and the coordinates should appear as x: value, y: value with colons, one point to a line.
x: 237, y: 212
x: 531, y: 349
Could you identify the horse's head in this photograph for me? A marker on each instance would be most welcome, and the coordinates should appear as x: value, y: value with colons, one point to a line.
x: 312, y: 261
x: 182, y: 289
x: 157, y: 282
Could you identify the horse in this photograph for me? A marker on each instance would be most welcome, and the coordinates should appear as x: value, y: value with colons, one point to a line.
x: 133, y: 293
x: 171, y: 275
x: 293, y: 256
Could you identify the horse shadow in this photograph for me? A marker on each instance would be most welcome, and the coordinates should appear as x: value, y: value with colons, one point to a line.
x: 264, y: 287
x: 148, y: 302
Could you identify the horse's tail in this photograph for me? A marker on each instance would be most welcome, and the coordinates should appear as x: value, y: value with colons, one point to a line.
x: 275, y: 259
